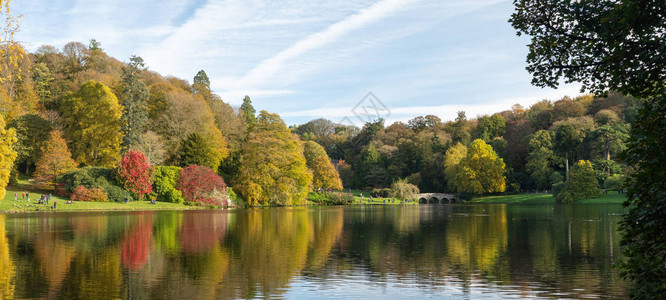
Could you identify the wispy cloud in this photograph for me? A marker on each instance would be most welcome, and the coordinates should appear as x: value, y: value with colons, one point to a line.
x: 269, y: 67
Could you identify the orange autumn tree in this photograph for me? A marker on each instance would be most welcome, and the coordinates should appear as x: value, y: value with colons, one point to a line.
x: 55, y: 161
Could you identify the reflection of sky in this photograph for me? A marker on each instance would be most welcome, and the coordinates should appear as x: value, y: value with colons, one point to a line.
x: 360, y: 287
x: 309, y: 59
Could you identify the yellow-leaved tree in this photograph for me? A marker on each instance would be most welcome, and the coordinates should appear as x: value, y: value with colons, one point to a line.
x: 91, y: 118
x: 7, y: 155
x: 324, y: 174
x: 482, y: 170
x: 10, y: 50
x: 273, y: 169
x: 452, y: 168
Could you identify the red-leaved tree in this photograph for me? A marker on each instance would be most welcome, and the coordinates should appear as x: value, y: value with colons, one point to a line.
x: 200, y: 184
x: 136, y: 173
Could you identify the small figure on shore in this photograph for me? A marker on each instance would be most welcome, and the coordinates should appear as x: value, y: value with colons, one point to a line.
x: 22, y: 196
x: 55, y: 203
x: 15, y: 196
x: 126, y: 200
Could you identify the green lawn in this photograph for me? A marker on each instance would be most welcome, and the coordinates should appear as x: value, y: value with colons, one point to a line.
x: 541, y: 198
x: 9, y: 205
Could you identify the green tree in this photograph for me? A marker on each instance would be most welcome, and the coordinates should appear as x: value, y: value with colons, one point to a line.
x: 491, y: 127
x: 404, y: 190
x: 134, y: 100
x: 164, y: 185
x: 541, y: 158
x: 273, y: 169
x: 567, y: 141
x: 581, y: 184
x: 91, y: 119
x: 482, y: 170
x: 248, y: 112
x: 614, y: 45
x: 460, y: 129
x: 195, y: 150
x: 201, y: 85
x: 31, y: 131
x: 55, y: 160
x: 42, y: 77
x: 7, y: 155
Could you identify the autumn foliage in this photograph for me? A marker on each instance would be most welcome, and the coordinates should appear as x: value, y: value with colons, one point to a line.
x: 135, y: 173
x: 83, y: 193
x: 55, y: 161
x: 201, y: 185
x: 136, y: 242
x: 7, y: 154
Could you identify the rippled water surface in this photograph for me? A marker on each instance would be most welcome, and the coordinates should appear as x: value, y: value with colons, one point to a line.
x: 381, y: 252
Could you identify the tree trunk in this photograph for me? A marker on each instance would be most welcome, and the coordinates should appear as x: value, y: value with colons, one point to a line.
x: 566, y: 164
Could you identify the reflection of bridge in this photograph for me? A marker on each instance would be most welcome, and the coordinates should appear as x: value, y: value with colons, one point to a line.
x: 436, y: 198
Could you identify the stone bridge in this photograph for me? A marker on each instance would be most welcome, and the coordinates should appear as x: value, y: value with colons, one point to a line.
x: 436, y: 198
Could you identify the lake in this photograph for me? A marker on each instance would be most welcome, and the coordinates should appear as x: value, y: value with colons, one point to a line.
x: 362, y: 252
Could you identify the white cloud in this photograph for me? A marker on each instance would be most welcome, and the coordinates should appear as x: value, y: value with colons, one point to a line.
x: 446, y: 112
x: 269, y: 67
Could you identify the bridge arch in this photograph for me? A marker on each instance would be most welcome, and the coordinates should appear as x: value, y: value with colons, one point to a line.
x: 436, y: 198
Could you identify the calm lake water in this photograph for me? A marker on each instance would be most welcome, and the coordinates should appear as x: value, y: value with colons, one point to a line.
x: 380, y: 252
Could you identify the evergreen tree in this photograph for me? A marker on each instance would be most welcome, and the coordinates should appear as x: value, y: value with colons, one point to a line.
x: 134, y: 100
x: 248, y: 112
x: 195, y: 150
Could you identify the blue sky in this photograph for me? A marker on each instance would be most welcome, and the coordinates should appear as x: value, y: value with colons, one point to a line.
x: 306, y: 59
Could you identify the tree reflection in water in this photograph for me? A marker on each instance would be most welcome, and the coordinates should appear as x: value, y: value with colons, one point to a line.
x: 246, y: 253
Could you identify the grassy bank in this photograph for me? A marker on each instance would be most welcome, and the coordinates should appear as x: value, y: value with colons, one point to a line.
x: 23, y: 205
x: 541, y: 198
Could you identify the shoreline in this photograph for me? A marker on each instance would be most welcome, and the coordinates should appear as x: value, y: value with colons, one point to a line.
x: 9, y: 206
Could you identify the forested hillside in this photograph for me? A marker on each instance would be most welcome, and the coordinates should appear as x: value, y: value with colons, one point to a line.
x: 103, y: 107
x: 538, y: 145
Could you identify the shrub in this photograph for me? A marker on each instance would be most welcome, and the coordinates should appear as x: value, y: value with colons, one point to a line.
x: 582, y: 184
x: 465, y: 196
x: 557, y: 188
x: 614, y: 182
x: 200, y: 185
x: 164, y: 185
x: 384, y: 193
x: 82, y: 193
x: 116, y: 193
x: 87, y: 176
x: 234, y: 197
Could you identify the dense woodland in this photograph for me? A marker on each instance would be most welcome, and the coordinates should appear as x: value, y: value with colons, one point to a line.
x: 76, y: 107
